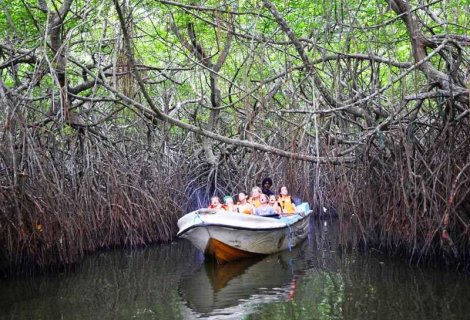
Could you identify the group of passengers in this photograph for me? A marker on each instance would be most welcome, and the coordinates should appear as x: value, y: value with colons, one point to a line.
x: 262, y: 202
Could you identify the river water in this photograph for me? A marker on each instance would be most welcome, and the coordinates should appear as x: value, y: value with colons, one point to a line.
x: 174, y: 281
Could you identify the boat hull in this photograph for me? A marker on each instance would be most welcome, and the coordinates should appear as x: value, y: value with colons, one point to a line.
x: 230, y: 236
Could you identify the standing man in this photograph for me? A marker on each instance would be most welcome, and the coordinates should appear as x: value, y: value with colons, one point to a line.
x: 266, y: 186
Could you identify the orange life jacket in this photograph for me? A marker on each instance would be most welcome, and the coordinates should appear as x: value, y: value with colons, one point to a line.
x: 245, y: 208
x: 286, y: 204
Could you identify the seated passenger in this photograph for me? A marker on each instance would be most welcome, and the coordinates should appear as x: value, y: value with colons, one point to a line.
x: 273, y: 203
x: 265, y: 210
x: 229, y: 205
x: 215, y: 203
x: 255, y: 194
x: 285, y: 201
x: 243, y: 205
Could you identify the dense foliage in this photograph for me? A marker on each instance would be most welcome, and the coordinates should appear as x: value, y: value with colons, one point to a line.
x: 120, y: 116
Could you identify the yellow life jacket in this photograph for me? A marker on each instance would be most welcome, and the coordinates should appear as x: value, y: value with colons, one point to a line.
x: 286, y: 204
x: 255, y: 202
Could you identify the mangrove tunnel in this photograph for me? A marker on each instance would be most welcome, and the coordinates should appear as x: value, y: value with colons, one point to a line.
x: 118, y: 117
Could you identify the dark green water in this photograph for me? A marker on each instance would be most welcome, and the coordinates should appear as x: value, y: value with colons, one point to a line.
x: 173, y: 281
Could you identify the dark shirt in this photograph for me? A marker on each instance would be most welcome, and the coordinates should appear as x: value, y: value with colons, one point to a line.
x: 267, y: 192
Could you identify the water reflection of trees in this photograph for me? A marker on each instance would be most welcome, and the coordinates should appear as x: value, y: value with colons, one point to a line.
x: 392, y: 290
x: 360, y: 286
x: 110, y: 285
x: 329, y: 285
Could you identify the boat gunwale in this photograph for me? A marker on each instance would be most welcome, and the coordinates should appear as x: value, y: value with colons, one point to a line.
x: 204, y: 224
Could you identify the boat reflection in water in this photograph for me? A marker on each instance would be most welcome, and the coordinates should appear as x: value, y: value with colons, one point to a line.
x: 238, y: 288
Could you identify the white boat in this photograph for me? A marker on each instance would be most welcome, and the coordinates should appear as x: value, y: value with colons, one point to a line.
x: 231, y: 236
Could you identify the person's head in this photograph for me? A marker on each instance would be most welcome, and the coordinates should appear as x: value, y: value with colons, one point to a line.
x: 255, y: 192
x: 267, y: 183
x: 241, y: 197
x: 263, y: 199
x: 272, y: 199
x: 283, y: 191
x: 228, y: 200
x: 215, y: 201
